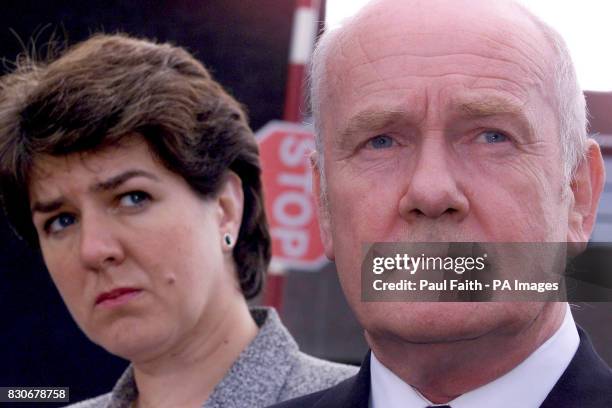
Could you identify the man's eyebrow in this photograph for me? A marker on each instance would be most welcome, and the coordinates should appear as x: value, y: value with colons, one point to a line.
x: 489, y: 107
x: 370, y: 120
x: 495, y: 106
x: 106, y: 185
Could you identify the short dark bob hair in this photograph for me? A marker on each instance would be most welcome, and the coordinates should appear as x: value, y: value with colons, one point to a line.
x: 111, y: 86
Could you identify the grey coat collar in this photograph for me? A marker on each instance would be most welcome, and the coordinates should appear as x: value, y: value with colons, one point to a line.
x: 258, y: 376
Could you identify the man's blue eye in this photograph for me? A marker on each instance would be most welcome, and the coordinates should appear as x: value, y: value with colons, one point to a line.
x: 59, y: 223
x: 381, y: 142
x: 134, y: 199
x: 492, y: 136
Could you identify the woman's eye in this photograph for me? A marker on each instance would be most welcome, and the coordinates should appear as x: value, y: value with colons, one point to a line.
x: 492, y: 136
x: 134, y: 199
x: 59, y: 223
x: 381, y: 142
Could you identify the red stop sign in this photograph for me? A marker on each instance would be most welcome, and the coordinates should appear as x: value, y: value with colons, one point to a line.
x: 290, y: 206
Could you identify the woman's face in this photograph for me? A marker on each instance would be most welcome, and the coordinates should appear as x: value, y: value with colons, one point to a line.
x: 137, y: 256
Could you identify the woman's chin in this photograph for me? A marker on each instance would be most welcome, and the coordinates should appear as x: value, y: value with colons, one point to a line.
x: 134, y: 343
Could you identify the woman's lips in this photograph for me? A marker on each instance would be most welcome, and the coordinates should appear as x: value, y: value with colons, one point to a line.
x: 116, y: 296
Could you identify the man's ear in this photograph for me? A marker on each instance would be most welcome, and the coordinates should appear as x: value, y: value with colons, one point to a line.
x: 322, y: 210
x: 586, y: 186
x: 231, y: 205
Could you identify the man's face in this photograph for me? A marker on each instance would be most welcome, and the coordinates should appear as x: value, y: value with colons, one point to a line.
x: 437, y: 126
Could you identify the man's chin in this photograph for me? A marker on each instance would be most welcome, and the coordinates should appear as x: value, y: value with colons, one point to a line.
x: 437, y: 322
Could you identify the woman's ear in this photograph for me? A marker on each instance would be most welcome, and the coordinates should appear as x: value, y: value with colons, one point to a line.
x: 230, y: 201
x: 586, y: 187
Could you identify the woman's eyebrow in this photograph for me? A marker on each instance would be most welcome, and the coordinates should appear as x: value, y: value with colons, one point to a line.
x: 106, y: 185
x: 47, y: 206
x: 115, y: 181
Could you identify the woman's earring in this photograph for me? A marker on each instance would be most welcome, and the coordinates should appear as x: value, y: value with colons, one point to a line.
x: 227, y: 238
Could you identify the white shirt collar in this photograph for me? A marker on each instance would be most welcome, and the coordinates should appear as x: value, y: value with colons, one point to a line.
x: 525, y: 386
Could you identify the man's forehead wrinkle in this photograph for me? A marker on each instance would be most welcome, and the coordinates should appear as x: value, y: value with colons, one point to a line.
x: 537, y: 67
x: 511, y: 89
x: 515, y: 88
x: 418, y: 62
x: 511, y: 48
x: 495, y: 49
x: 367, y: 60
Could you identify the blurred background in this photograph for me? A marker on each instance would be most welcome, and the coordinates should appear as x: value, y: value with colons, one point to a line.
x: 257, y: 49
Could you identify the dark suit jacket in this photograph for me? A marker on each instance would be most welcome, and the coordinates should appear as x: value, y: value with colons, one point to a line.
x: 586, y: 383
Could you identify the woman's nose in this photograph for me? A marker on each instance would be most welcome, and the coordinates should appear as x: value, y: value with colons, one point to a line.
x: 99, y: 246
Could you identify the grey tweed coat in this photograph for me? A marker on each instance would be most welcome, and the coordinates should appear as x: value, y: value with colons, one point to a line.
x: 270, y: 370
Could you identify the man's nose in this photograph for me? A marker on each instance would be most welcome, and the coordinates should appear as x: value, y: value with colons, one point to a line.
x: 432, y: 187
x: 99, y: 246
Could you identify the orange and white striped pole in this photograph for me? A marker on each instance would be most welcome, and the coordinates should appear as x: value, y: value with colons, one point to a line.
x: 305, y: 25
x: 303, y: 38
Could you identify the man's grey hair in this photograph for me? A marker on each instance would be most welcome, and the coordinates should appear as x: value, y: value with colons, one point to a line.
x: 568, y: 99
